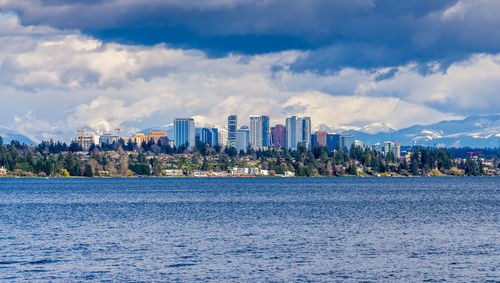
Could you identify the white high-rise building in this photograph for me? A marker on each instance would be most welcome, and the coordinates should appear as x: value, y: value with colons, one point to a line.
x: 298, y: 130
x: 256, y: 131
x: 306, y: 132
x: 394, y: 147
x: 242, y: 138
x: 223, y: 138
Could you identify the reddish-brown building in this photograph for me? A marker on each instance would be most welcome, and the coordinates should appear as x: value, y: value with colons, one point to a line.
x: 278, y: 134
x: 321, y: 138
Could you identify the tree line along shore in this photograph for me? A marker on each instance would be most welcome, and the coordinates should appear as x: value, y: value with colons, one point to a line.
x: 56, y: 159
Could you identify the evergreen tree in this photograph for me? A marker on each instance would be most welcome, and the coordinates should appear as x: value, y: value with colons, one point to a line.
x: 231, y: 151
x: 88, y: 171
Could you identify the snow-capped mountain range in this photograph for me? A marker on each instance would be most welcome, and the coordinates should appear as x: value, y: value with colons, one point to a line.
x: 9, y: 135
x: 474, y: 131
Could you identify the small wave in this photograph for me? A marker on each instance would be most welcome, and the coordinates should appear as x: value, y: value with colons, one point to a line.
x: 9, y: 262
x: 43, y: 261
x: 180, y: 265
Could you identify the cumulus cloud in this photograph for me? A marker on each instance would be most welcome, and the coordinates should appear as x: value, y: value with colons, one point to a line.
x: 338, y: 33
x: 470, y: 85
x: 55, y: 82
x: 342, y: 111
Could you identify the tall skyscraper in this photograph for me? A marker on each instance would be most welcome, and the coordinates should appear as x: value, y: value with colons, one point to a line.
x: 278, y: 134
x: 319, y: 139
x: 242, y: 139
x: 215, y: 137
x: 209, y: 136
x: 377, y: 147
x: 298, y: 130
x: 232, y: 126
x: 293, y: 132
x: 184, y: 132
x: 333, y: 141
x: 259, y: 132
x: 266, y: 132
x: 394, y: 147
x: 222, y: 133
x: 306, y: 132
x: 198, y: 135
x: 346, y: 141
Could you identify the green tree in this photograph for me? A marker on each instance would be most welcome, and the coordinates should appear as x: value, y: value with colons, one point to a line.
x: 156, y: 167
x: 88, y: 171
x: 231, y: 151
x: 204, y: 166
x: 64, y: 173
x: 141, y: 158
x: 25, y: 166
x: 140, y: 169
x: 71, y: 164
x: 352, y: 170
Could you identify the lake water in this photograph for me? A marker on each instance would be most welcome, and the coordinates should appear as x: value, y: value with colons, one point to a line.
x: 250, y: 229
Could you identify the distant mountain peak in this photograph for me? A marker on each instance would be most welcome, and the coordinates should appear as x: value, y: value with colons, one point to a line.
x: 9, y: 135
x: 377, y: 127
x: 473, y: 131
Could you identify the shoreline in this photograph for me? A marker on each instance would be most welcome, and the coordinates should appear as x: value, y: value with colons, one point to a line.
x: 213, y: 177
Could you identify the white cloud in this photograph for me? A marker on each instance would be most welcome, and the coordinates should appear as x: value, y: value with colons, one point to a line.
x: 469, y: 85
x: 456, y: 11
x: 35, y: 129
x: 486, y: 9
x: 339, y: 111
x: 66, y: 80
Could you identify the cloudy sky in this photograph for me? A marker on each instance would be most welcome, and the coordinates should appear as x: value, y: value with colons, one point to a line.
x: 100, y: 64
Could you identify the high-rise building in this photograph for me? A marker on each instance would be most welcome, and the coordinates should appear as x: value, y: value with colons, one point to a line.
x: 266, y: 132
x: 359, y: 143
x: 232, y: 126
x: 394, y: 147
x: 314, y: 140
x: 387, y: 147
x: 86, y: 143
x: 278, y: 134
x: 108, y: 139
x: 206, y: 136
x: 333, y: 141
x: 197, y: 135
x: 346, y: 141
x: 184, y: 132
x: 163, y: 141
x: 222, y: 137
x: 242, y: 139
x: 298, y: 130
x: 215, y: 137
x: 259, y: 132
x: 306, y: 132
x: 155, y: 136
x: 398, y: 150
x: 318, y: 138
x: 209, y: 136
x: 139, y: 138
x: 293, y: 132
x: 377, y: 147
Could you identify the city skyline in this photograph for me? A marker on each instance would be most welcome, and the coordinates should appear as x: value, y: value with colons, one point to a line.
x: 345, y: 64
x: 249, y: 140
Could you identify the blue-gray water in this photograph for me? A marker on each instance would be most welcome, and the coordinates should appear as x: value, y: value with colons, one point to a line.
x: 250, y: 229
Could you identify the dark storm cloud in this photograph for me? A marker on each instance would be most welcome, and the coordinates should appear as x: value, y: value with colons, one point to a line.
x: 338, y: 33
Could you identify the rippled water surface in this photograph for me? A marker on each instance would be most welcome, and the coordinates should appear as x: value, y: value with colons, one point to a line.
x: 250, y: 229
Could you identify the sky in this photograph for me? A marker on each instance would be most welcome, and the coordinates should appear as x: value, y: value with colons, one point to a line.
x: 348, y: 64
